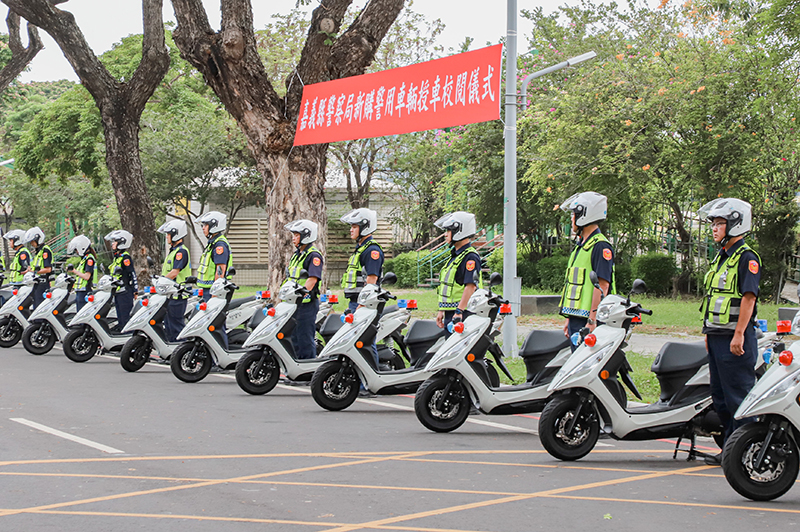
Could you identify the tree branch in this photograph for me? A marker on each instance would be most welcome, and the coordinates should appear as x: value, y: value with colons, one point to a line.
x: 20, y: 55
x: 155, y: 57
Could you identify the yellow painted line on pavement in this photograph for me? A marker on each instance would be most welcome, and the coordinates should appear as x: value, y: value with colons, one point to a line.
x: 198, y: 485
x: 773, y: 509
x: 504, y: 500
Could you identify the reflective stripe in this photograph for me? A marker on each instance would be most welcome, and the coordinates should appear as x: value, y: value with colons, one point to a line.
x: 450, y: 292
x: 722, y: 286
x: 38, y: 261
x: 576, y: 299
x: 86, y: 284
x: 16, y: 266
x: 205, y: 274
x: 184, y: 273
x: 352, y: 277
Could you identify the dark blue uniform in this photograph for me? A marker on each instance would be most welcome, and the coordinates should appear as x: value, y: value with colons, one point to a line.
x: 371, y: 260
x: 603, y: 265
x: 40, y: 288
x: 303, y: 336
x: 174, y: 321
x: 464, y: 276
x: 733, y: 376
x: 123, y: 297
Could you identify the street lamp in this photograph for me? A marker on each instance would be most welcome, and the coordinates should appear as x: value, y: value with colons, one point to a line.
x: 512, y: 285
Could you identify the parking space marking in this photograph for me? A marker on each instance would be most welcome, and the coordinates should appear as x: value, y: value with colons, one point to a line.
x: 67, y: 436
x: 774, y: 509
x: 204, y: 484
x: 504, y: 500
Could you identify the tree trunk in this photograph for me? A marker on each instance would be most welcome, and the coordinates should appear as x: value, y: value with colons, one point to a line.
x: 125, y: 168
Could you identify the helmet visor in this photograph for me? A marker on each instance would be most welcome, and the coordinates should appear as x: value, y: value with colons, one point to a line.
x: 568, y: 206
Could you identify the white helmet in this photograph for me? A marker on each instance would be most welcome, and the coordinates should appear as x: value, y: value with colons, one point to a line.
x: 307, y: 229
x: 15, y: 237
x: 366, y: 219
x: 121, y: 237
x: 78, y: 245
x: 216, y: 221
x: 34, y: 234
x: 589, y: 208
x: 738, y: 214
x: 461, y: 223
x: 176, y: 229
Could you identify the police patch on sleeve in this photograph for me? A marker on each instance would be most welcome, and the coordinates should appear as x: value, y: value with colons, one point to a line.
x: 44, y: 255
x: 316, y: 261
x: 90, y: 262
x: 470, y: 265
x: 375, y: 254
x: 220, y: 250
x: 178, y: 256
x: 126, y: 262
x: 607, y: 254
x: 753, y: 266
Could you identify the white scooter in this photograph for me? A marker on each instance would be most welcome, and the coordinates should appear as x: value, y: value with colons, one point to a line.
x: 335, y: 384
x: 761, y: 458
x: 203, y: 344
x: 147, y: 329
x: 90, y: 329
x: 588, y: 397
x: 14, y: 313
x: 461, y: 377
x: 48, y: 322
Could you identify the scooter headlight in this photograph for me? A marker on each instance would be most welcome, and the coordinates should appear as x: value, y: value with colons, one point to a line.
x: 455, y: 349
x: 779, y: 389
x: 581, y: 369
x: 603, y: 312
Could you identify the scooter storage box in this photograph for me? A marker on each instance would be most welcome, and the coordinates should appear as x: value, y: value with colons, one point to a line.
x: 421, y: 336
x: 539, y: 348
x: 676, y: 363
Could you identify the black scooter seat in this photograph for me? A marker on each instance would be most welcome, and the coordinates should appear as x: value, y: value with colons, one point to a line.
x: 70, y: 298
x: 676, y: 356
x: 543, y: 342
x: 332, y: 323
x: 389, y: 310
x: 235, y: 303
x: 421, y: 331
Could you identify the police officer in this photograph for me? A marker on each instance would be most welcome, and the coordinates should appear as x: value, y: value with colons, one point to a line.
x: 177, y: 266
x: 306, y: 257
x: 42, y: 263
x: 22, y: 257
x: 122, y: 270
x: 216, y: 260
x: 366, y: 262
x: 729, y: 310
x: 86, y: 272
x: 461, y: 275
x: 592, y: 252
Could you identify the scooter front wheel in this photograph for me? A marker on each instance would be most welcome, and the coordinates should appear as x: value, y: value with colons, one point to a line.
x: 10, y: 331
x: 190, y: 362
x: 257, y: 372
x: 334, y: 385
x: 567, y: 430
x: 38, y: 338
x: 775, y: 474
x: 442, y: 404
x: 81, y: 344
x: 135, y: 353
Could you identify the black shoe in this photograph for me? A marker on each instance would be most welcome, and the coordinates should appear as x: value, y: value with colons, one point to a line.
x: 714, y: 460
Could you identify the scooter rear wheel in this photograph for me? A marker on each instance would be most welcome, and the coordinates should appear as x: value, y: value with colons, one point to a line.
x: 554, y: 422
x: 190, y: 362
x: 440, y: 412
x: 135, y: 353
x: 778, y: 471
x: 81, y: 344
x: 334, y: 385
x: 257, y: 372
x: 10, y: 331
x: 38, y: 338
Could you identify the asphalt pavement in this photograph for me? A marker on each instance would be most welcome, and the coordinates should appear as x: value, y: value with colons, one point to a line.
x: 91, y: 447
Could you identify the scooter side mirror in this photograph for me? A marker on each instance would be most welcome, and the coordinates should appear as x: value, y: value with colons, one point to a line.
x: 70, y: 267
x: 231, y: 272
x: 594, y: 279
x: 389, y: 278
x: 303, y: 274
x: 638, y: 287
x: 103, y: 268
x: 191, y: 279
x: 150, y: 261
x: 495, y: 279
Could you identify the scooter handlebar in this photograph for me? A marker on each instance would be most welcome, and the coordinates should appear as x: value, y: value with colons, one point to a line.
x: 645, y: 311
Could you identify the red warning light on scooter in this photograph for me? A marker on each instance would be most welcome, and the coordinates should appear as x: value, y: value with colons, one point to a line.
x: 505, y: 308
x: 590, y: 340
x: 784, y: 326
x: 201, y: 306
x: 271, y: 312
x: 90, y: 298
x: 412, y: 304
x: 14, y: 291
x: 48, y: 295
x: 786, y: 358
x: 349, y: 318
x: 333, y: 298
x: 145, y: 302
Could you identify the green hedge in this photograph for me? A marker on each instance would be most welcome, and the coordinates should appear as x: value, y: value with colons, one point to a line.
x: 551, y: 272
x: 656, y: 270
x: 404, y: 267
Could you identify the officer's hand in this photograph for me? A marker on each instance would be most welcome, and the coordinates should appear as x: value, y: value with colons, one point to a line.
x: 737, y: 344
x: 440, y: 319
x: 566, y: 328
x: 457, y: 318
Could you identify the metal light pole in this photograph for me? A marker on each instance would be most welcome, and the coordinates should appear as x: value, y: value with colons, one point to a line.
x: 512, y: 285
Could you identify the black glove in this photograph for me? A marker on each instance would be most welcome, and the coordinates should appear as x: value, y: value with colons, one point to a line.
x: 457, y: 317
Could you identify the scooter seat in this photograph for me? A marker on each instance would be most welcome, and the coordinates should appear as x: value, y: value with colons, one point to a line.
x: 543, y: 342
x: 422, y: 331
x: 677, y: 356
x: 235, y: 303
x: 389, y: 310
x: 257, y: 318
x: 71, y: 299
x: 332, y: 323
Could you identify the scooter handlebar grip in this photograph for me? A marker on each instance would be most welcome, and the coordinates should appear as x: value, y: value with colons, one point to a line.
x: 645, y: 311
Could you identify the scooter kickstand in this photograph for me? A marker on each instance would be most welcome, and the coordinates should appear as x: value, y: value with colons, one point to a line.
x: 677, y: 445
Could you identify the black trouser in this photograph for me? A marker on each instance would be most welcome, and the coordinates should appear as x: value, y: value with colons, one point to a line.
x: 303, y: 336
x: 123, y: 302
x: 174, y: 320
x: 38, y: 293
x: 80, y: 298
x: 574, y: 325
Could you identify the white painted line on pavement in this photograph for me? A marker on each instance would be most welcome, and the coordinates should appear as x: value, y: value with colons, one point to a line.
x: 70, y: 437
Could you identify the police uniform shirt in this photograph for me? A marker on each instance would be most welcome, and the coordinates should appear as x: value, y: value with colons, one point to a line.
x: 181, y: 257
x: 128, y: 272
x: 469, y: 270
x: 313, y: 265
x: 749, y: 268
x: 602, y: 258
x: 88, y: 267
x: 47, y: 260
x: 24, y: 260
x: 220, y: 253
x: 371, y: 259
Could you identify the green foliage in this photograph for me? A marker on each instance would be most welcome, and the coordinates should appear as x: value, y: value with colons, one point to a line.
x: 526, y: 269
x: 405, y: 267
x: 656, y: 270
x: 551, y: 272
x: 623, y: 277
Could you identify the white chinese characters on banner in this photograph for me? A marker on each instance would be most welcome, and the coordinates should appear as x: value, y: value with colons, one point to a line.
x: 420, y: 96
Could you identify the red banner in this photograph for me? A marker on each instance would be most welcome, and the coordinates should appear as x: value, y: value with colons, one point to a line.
x: 452, y: 91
